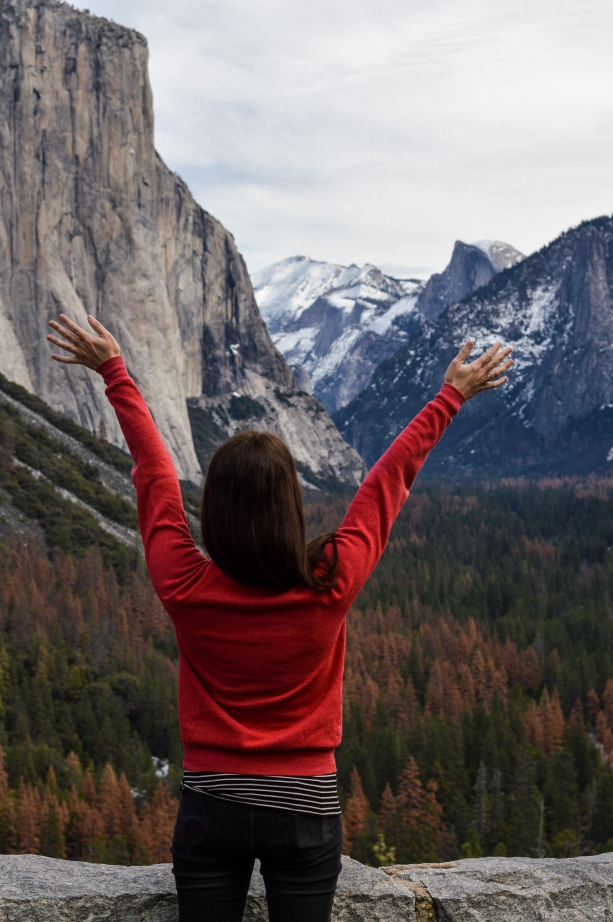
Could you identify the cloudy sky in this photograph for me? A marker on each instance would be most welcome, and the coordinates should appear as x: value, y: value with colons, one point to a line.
x: 383, y: 130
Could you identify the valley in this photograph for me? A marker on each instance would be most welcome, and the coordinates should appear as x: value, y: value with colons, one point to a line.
x: 478, y: 689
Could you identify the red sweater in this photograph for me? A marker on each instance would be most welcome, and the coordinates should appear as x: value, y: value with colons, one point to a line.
x: 260, y: 672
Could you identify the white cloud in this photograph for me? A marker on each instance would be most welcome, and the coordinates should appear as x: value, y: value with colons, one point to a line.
x: 382, y: 131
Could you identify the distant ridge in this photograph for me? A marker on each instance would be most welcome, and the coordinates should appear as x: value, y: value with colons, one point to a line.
x: 555, y: 308
x: 337, y: 323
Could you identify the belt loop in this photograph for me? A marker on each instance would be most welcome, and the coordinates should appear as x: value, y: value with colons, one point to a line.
x: 250, y: 826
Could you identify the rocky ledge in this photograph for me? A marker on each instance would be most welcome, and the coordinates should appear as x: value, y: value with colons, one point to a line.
x: 37, y: 889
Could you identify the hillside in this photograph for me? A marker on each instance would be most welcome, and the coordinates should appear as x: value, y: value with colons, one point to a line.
x: 89, y: 746
x: 92, y: 220
x: 555, y: 308
x: 478, y: 688
x: 479, y: 677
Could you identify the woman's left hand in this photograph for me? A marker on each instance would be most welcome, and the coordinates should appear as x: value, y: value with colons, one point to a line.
x: 87, y: 349
x: 484, y: 374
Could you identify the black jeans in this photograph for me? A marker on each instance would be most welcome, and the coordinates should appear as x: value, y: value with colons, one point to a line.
x: 215, y: 845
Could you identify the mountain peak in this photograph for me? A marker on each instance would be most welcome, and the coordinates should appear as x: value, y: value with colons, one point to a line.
x: 339, y: 322
x: 471, y: 266
x: 501, y: 255
x: 336, y: 322
x: 555, y: 308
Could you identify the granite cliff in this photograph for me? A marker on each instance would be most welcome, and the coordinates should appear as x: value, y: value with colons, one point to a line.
x: 92, y: 220
x: 471, y: 266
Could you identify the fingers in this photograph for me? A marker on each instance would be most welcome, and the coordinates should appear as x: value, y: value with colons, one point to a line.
x: 65, y: 360
x: 97, y: 326
x: 500, y: 369
x: 74, y: 328
x: 63, y: 331
x: 497, y: 359
x: 69, y: 347
x: 493, y: 384
x: 487, y: 357
x: 464, y: 352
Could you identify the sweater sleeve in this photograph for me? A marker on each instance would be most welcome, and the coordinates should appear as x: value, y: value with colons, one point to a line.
x: 173, y: 560
x: 365, y: 529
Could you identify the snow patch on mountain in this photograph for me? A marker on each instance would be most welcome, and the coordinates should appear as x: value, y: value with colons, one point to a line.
x: 501, y: 255
x: 554, y: 308
x: 336, y: 322
x: 401, y: 308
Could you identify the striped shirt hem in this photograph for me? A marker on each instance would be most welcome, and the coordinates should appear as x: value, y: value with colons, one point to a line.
x: 317, y: 794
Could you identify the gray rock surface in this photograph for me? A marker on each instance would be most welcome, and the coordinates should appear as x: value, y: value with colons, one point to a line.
x: 37, y: 889
x: 516, y: 889
x: 92, y: 220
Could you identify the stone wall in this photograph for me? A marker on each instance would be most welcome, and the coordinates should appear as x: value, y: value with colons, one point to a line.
x: 37, y: 889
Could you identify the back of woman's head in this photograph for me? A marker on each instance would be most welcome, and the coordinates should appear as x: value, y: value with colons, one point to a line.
x: 253, y: 522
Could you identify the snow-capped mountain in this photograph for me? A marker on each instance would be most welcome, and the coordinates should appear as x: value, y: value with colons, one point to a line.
x: 555, y: 308
x: 338, y: 323
x: 335, y: 322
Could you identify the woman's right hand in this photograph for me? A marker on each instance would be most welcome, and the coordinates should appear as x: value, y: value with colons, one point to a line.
x: 86, y: 349
x: 483, y: 374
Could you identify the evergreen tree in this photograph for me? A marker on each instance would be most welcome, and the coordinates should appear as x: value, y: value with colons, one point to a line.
x: 8, y: 830
x: 482, y: 808
x: 561, y: 797
x: 51, y: 834
x: 498, y: 813
x: 420, y: 817
x: 157, y: 825
x: 28, y: 819
x: 602, y: 825
x: 355, y: 816
x: 524, y: 809
x: 388, y: 817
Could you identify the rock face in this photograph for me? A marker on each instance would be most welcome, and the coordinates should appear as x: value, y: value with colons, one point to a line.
x: 91, y: 220
x: 513, y: 889
x: 40, y: 889
x: 471, y: 266
x: 340, y: 322
x: 555, y: 308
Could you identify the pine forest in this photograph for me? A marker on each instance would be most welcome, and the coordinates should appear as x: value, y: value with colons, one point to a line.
x: 478, y: 690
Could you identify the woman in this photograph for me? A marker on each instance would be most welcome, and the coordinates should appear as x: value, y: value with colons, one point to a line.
x: 261, y: 634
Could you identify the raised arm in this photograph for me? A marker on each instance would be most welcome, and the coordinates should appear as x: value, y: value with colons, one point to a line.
x: 173, y: 560
x: 365, y: 530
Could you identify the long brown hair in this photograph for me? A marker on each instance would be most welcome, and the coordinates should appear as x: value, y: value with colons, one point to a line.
x: 252, y: 517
